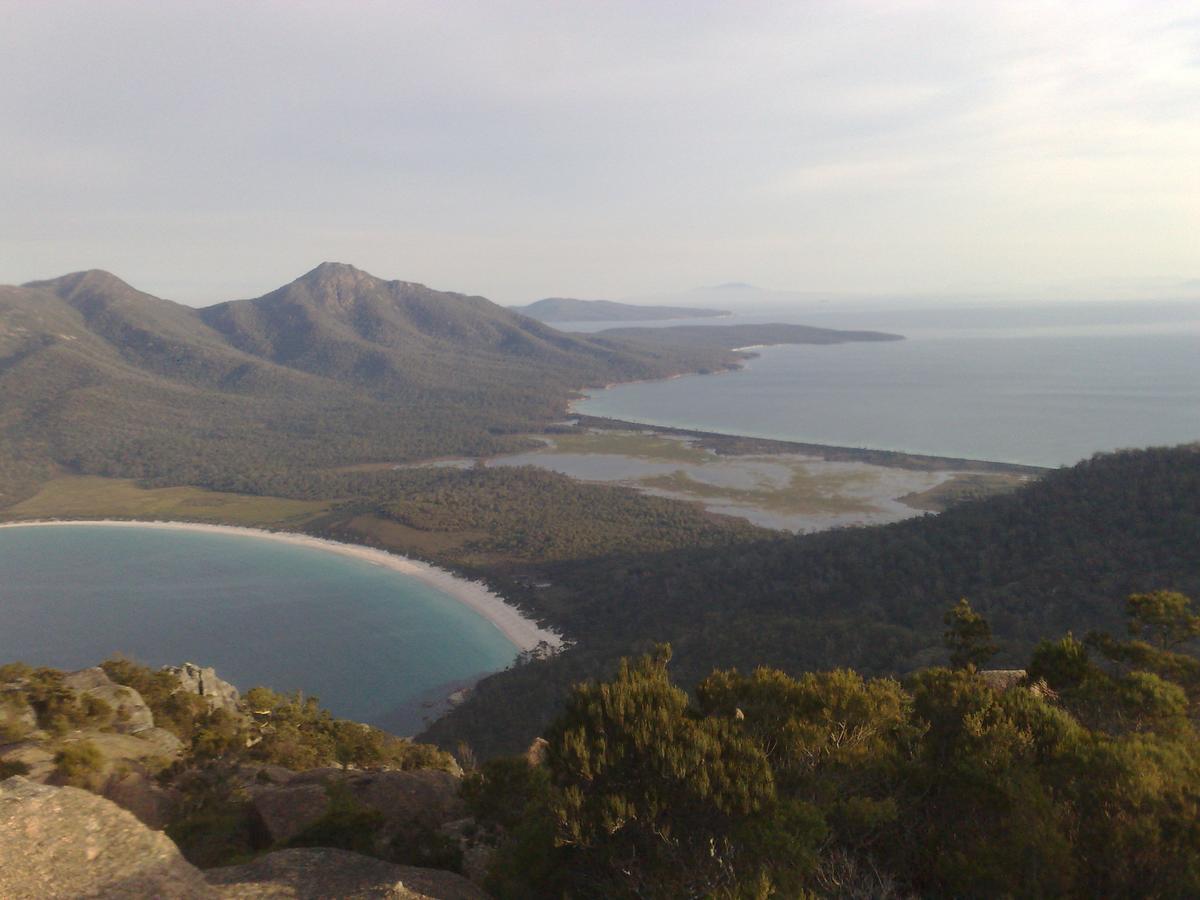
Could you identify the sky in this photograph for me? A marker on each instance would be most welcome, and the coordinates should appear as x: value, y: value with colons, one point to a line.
x: 212, y: 151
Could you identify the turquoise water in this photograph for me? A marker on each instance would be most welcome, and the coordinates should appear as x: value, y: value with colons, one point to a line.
x: 372, y: 644
x: 975, y: 384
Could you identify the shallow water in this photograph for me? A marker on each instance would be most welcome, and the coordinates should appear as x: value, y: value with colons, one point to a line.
x: 373, y: 644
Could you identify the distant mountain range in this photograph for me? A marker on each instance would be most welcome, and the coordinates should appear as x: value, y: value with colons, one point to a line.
x: 565, y: 309
x: 336, y: 367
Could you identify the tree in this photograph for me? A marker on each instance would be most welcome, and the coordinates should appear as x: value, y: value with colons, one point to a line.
x: 968, y: 636
x: 650, y: 795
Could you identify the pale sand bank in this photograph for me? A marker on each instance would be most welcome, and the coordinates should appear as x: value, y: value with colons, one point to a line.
x: 524, y: 633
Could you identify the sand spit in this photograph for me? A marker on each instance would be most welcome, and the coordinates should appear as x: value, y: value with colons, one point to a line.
x: 524, y: 633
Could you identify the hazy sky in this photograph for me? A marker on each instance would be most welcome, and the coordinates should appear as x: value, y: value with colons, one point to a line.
x: 209, y: 150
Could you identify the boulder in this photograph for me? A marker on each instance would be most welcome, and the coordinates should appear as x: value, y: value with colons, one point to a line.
x: 203, y: 680
x: 142, y: 796
x: 408, y: 801
x: 130, y: 712
x: 65, y: 842
x: 38, y: 760
x: 426, y: 798
x: 286, y: 810
x: 161, y: 742
x: 315, y: 873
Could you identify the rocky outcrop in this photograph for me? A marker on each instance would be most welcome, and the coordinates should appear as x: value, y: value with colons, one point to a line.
x: 317, y: 873
x: 203, y: 680
x: 60, y: 842
x: 65, y: 842
x: 130, y: 712
x: 286, y: 810
x: 421, y: 799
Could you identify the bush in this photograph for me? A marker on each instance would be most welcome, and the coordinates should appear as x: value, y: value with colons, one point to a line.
x: 79, y: 764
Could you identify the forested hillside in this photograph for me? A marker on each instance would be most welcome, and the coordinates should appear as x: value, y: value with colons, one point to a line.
x: 334, y: 368
x: 1055, y: 556
x: 97, y: 377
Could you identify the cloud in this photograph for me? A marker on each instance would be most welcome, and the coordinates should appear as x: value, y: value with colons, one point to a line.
x: 524, y: 149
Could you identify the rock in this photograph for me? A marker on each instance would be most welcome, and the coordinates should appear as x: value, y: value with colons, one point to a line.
x: 37, y: 758
x: 142, y: 796
x: 316, y: 873
x: 130, y: 712
x: 536, y: 754
x: 408, y: 801
x: 203, y: 680
x: 65, y: 842
x: 424, y: 798
x: 162, y: 742
x: 286, y: 810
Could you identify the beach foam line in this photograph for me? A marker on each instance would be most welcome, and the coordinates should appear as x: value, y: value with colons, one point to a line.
x: 521, y: 631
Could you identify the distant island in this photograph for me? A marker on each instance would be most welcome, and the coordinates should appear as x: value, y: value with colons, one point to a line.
x: 565, y: 309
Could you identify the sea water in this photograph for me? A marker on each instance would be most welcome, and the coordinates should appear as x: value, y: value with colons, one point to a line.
x: 372, y: 644
x: 1044, y: 387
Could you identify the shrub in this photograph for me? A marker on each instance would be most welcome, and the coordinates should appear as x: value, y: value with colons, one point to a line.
x: 79, y: 764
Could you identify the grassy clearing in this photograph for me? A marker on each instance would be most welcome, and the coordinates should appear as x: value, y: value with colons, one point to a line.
x: 650, y: 447
x: 84, y: 496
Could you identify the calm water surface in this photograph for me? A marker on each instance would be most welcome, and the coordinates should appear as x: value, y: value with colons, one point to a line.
x: 981, y: 384
x: 371, y: 643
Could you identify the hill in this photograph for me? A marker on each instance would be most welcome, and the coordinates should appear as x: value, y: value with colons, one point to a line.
x: 1057, y: 555
x: 564, y: 309
x: 97, y: 377
x: 338, y: 367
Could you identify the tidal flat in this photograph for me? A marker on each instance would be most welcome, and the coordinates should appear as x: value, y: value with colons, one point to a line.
x: 787, y: 491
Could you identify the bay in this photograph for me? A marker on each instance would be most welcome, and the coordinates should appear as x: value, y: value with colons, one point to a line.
x: 1046, y: 389
x: 374, y: 645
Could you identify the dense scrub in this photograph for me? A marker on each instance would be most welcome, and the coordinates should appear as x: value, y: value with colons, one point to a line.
x: 1080, y: 780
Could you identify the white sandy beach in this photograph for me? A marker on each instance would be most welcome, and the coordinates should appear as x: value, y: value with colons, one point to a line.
x: 524, y: 633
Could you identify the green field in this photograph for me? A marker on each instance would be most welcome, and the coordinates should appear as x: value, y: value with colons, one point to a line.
x: 82, y: 496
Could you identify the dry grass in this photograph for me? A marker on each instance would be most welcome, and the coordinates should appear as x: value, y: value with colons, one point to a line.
x: 82, y: 496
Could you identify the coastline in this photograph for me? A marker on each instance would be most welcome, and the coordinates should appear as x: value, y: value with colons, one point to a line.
x: 523, y: 633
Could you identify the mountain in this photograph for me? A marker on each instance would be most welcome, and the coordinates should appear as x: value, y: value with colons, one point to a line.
x: 563, y: 309
x: 335, y: 367
x: 1058, y: 555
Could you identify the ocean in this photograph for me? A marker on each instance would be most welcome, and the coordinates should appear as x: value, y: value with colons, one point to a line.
x: 1044, y: 386
x: 374, y: 645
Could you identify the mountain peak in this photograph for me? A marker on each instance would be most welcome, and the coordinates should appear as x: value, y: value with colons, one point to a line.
x: 88, y: 279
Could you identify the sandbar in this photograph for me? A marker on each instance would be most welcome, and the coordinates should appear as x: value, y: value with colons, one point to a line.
x: 521, y: 631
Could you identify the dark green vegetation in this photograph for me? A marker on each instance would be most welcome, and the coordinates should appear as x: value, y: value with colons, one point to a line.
x: 1079, y: 779
x: 337, y: 367
x: 729, y: 337
x: 1046, y: 559
x: 565, y: 309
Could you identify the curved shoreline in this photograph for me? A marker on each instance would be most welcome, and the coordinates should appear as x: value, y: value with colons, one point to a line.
x: 522, y: 632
